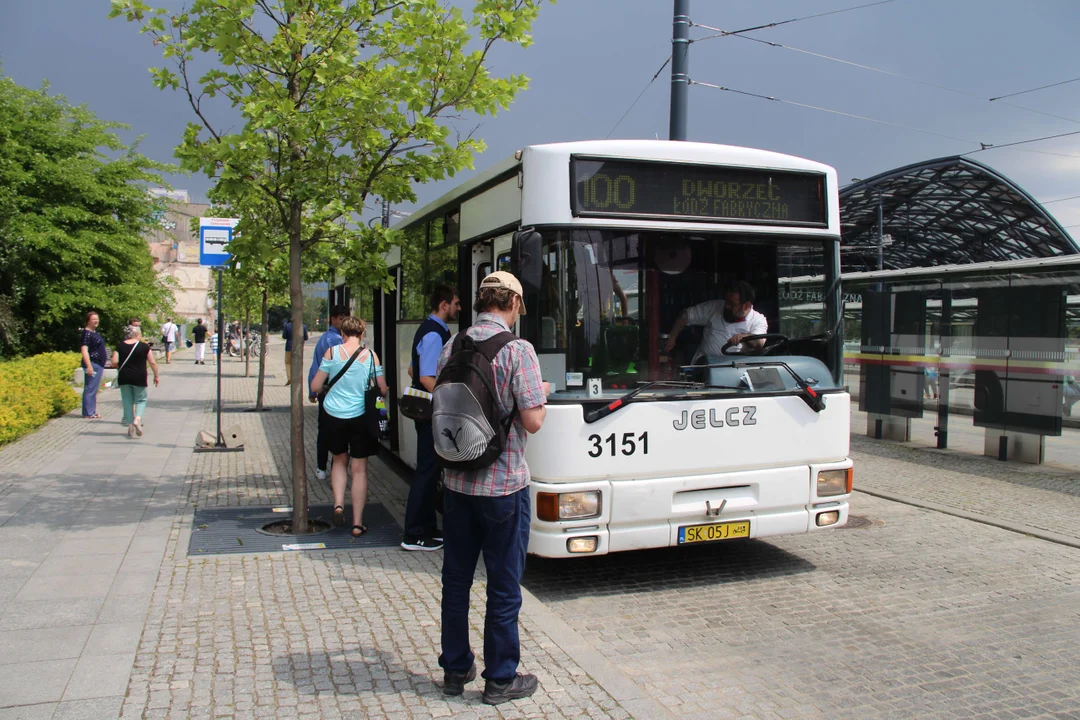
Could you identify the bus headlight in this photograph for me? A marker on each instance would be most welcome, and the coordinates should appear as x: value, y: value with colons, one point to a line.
x: 834, y: 482
x: 552, y: 507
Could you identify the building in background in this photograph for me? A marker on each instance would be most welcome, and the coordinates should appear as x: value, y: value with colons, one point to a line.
x: 174, y: 246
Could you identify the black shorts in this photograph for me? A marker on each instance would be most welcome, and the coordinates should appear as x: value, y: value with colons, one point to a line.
x: 348, y: 435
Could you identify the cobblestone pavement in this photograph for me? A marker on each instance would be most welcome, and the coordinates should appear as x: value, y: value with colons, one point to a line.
x: 1030, y: 495
x: 914, y: 614
x: 327, y: 635
x: 909, y: 613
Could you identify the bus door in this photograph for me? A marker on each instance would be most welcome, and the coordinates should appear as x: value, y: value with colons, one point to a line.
x: 480, y: 259
x: 385, y: 314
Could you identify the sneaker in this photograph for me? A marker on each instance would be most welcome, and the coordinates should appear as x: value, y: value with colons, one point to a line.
x: 320, y: 474
x: 454, y: 683
x: 423, y: 544
x: 520, y: 687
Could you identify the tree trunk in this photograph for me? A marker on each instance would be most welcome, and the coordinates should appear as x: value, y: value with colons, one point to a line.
x: 263, y: 350
x: 245, y: 336
x: 296, y: 389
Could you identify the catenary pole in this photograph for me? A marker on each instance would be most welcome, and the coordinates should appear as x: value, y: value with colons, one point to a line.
x: 680, y: 69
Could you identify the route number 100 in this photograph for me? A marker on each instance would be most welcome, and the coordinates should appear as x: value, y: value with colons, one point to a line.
x: 628, y: 446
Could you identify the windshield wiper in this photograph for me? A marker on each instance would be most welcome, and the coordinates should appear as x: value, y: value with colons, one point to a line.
x: 809, y: 396
x: 602, y: 412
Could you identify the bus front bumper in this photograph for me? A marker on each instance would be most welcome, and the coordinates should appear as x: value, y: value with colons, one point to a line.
x: 655, y: 513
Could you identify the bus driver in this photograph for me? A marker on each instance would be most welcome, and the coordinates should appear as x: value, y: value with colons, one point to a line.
x: 727, y: 320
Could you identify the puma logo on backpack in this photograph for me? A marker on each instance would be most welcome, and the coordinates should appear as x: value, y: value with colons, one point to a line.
x: 469, y: 432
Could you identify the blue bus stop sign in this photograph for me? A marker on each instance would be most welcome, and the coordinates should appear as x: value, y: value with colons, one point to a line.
x: 215, y: 234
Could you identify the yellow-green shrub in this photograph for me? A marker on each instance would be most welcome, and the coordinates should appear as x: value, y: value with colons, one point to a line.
x: 34, y: 389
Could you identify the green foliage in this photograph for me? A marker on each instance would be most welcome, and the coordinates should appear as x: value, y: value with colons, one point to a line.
x: 73, y: 207
x: 33, y: 390
x: 342, y: 100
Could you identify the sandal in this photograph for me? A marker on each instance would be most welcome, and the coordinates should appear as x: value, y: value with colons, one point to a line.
x: 339, y: 515
x: 358, y: 530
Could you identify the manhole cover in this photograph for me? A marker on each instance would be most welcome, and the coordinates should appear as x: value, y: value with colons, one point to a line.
x: 854, y: 522
x: 223, y: 531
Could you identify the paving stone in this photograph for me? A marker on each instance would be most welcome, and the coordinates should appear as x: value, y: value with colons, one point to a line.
x: 21, y: 646
x: 34, y: 682
x: 105, y: 708
x: 98, y: 676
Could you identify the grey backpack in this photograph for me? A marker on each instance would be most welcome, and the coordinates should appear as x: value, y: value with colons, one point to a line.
x: 469, y: 434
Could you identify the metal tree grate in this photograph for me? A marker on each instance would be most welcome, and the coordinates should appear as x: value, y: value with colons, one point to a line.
x: 224, y: 531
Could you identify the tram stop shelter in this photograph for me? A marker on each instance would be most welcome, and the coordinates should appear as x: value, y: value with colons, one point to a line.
x: 962, y: 303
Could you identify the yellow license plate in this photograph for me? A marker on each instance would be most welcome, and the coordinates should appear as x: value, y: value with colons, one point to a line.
x: 713, y: 532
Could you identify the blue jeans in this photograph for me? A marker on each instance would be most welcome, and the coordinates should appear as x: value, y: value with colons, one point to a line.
x: 90, y: 388
x: 420, y: 518
x: 498, y: 527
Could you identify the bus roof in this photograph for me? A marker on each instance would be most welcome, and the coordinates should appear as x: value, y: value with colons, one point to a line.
x: 669, y: 150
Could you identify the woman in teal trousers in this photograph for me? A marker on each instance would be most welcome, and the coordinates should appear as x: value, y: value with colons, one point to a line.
x: 131, y: 357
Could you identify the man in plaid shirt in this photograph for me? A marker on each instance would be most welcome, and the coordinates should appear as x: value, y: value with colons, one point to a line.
x: 489, y: 511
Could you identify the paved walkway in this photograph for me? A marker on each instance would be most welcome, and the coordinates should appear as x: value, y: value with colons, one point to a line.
x: 144, y: 631
x: 85, y: 519
x: 103, y: 615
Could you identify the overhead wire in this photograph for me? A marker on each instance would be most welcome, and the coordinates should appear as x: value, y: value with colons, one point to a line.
x: 640, y: 94
x: 897, y: 75
x: 756, y: 27
x: 1057, y: 200
x: 836, y: 112
x: 785, y: 22
x: 982, y: 146
x: 1042, y: 87
x: 987, y: 146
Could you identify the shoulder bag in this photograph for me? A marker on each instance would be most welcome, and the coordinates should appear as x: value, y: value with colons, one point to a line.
x: 415, y: 404
x: 326, y: 388
x: 372, y: 419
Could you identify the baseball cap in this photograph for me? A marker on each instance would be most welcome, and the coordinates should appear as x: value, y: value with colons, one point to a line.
x: 506, y: 281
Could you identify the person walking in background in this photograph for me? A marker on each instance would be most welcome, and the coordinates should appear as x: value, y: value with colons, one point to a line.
x: 131, y: 357
x: 421, y: 524
x: 350, y: 367
x: 94, y: 357
x: 169, y: 335
x: 287, y: 336
x: 329, y: 339
x: 488, y: 510
x: 199, y: 333
x: 215, y: 341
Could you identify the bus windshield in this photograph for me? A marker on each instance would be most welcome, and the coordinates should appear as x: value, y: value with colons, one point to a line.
x: 608, y: 299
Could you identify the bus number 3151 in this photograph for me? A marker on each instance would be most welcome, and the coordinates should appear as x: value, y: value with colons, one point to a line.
x: 628, y: 446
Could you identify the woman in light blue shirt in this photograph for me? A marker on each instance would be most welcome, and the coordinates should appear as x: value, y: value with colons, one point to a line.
x: 347, y: 435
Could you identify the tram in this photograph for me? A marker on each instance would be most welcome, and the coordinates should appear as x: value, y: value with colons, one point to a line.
x: 651, y: 443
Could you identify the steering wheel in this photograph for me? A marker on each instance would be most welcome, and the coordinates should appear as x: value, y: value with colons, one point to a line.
x: 773, y: 342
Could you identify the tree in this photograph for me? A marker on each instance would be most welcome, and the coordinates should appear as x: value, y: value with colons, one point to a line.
x: 341, y: 100
x: 73, y: 210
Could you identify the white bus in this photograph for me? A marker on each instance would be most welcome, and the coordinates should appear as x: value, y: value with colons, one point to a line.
x: 612, y: 240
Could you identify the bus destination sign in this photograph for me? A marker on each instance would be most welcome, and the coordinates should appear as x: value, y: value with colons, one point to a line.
x: 642, y: 189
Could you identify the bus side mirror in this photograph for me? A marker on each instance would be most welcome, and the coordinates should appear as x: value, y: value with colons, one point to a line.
x: 527, y: 244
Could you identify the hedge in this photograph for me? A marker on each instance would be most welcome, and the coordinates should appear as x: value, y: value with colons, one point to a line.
x: 33, y: 390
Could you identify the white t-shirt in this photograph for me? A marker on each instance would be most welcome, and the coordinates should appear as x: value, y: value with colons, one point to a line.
x: 169, y: 331
x: 718, y: 331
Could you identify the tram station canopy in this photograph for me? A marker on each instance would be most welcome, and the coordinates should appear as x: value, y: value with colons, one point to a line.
x: 949, y: 211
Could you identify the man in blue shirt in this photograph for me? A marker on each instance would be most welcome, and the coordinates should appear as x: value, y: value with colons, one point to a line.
x: 287, y: 336
x: 329, y: 339
x: 421, y: 525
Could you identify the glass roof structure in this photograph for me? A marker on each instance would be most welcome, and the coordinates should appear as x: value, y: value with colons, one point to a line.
x: 948, y: 211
